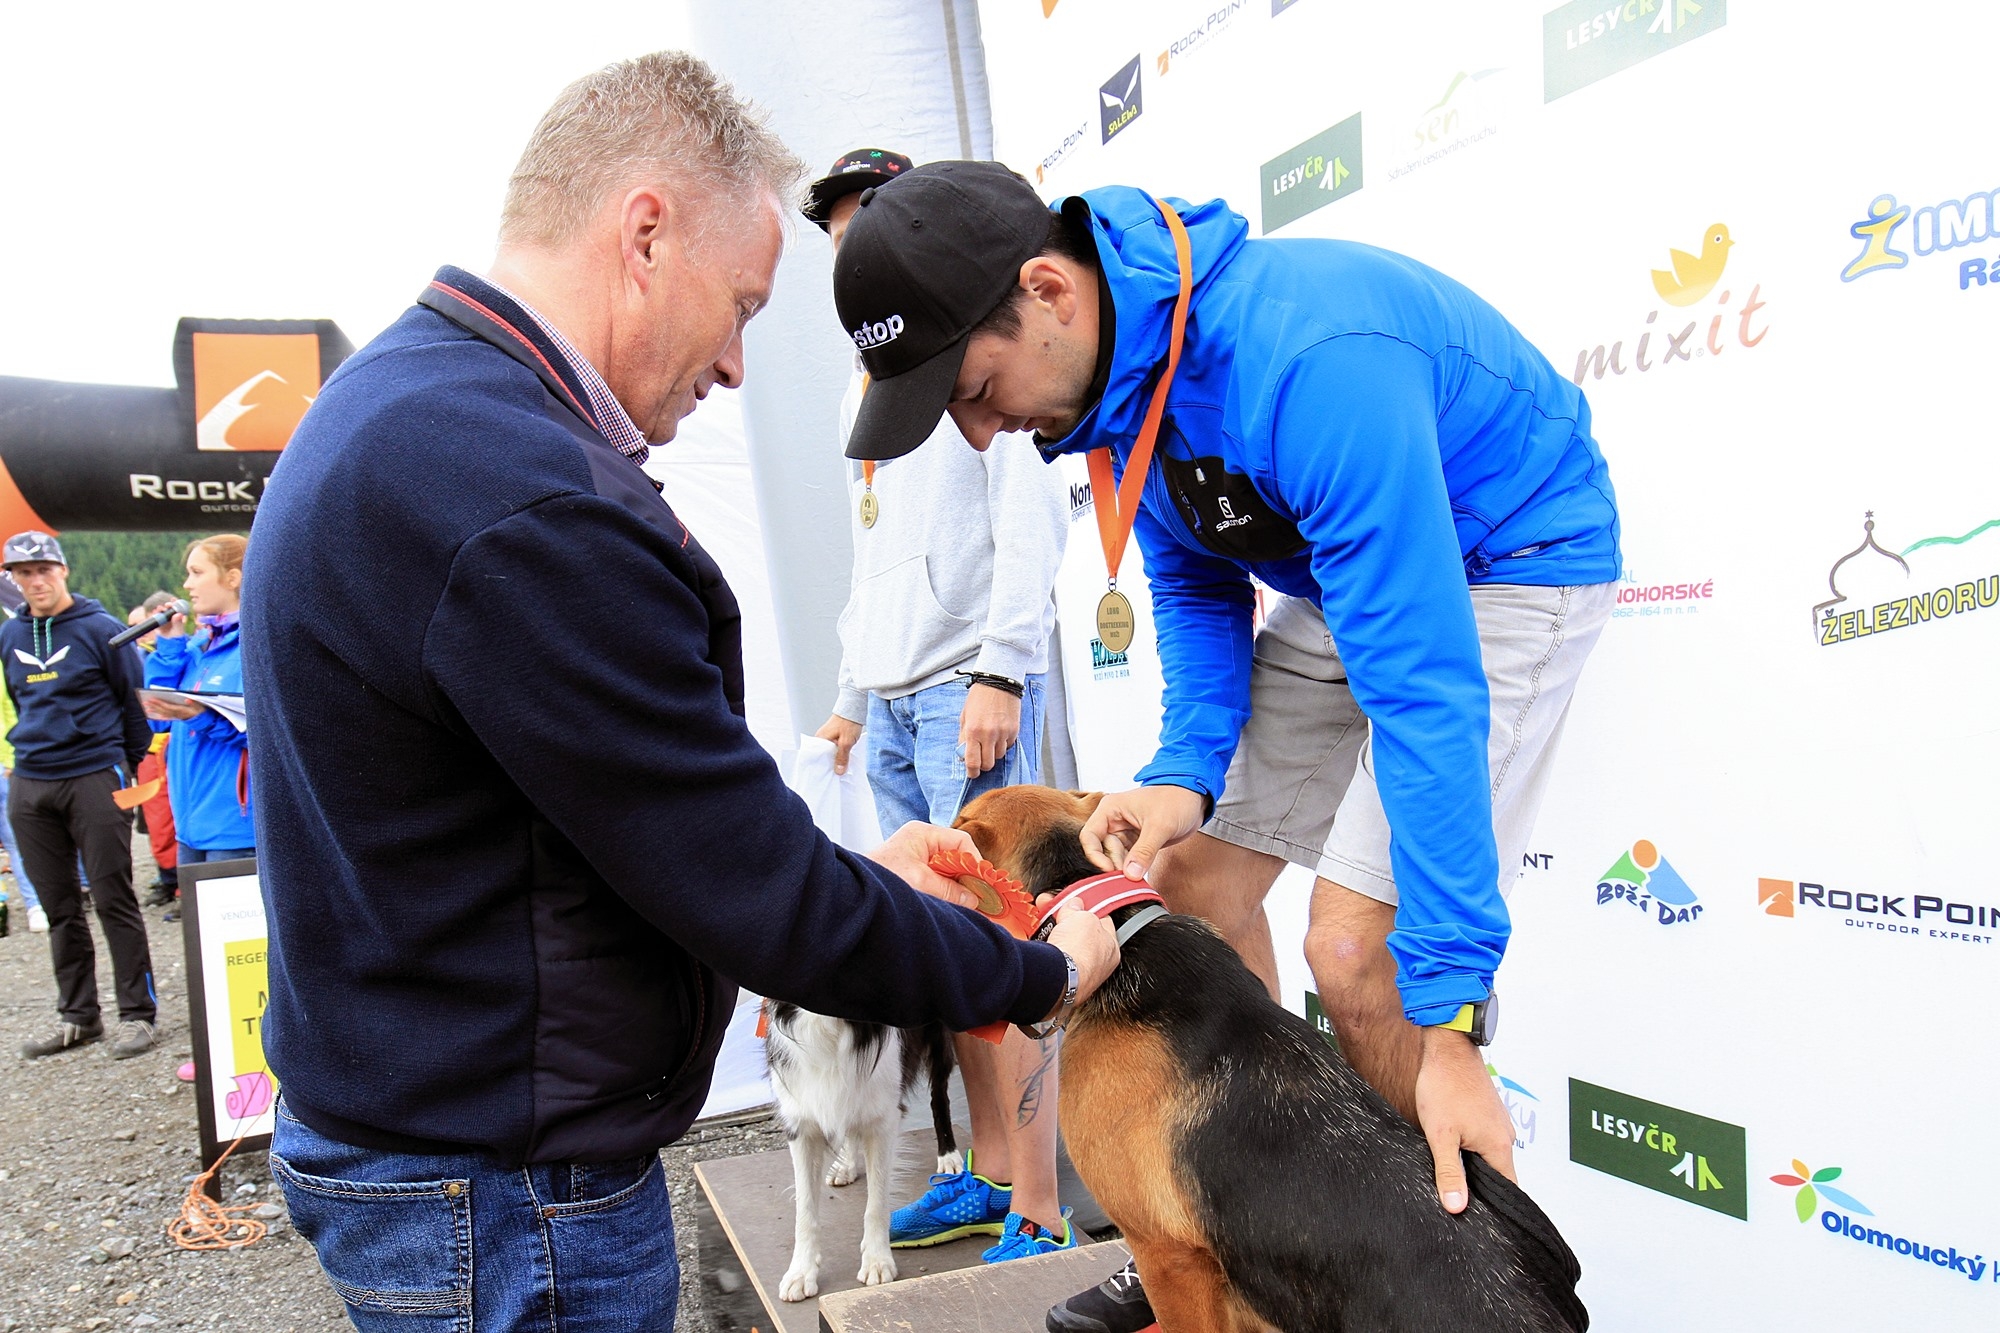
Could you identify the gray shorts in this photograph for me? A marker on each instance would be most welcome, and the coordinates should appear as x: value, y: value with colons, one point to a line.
x: 1302, y: 785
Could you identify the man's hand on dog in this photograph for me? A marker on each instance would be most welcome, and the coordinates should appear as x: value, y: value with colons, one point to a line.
x: 1128, y: 829
x: 988, y: 726
x: 1460, y: 1111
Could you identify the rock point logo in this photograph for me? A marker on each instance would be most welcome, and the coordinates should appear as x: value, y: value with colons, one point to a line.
x: 1212, y: 25
x: 1646, y: 880
x: 1690, y: 279
x: 1812, y: 1186
x: 1919, y: 915
x: 1119, y: 100
x: 1934, y: 229
x: 1670, y: 1151
x: 1324, y: 168
x: 1061, y: 153
x: 1955, y: 595
x: 1588, y: 40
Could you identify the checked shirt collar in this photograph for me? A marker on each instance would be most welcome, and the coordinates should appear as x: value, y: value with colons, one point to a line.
x: 612, y: 418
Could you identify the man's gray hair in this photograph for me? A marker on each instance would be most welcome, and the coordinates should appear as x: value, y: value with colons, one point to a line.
x: 154, y: 601
x: 661, y: 119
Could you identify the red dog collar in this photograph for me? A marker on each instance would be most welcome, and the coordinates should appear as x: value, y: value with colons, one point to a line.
x: 1100, y: 895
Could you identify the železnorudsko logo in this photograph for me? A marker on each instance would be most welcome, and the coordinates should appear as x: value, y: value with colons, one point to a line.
x: 1673, y: 1152
x: 1324, y: 168
x: 1953, y: 582
x: 1646, y: 880
x: 1588, y: 40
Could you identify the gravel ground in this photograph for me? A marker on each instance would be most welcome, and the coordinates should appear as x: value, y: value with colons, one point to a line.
x: 96, y: 1153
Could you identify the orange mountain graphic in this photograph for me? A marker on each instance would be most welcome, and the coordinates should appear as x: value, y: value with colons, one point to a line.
x: 251, y: 389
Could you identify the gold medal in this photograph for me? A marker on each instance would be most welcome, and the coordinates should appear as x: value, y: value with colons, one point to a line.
x: 1114, y: 621
x: 871, y: 509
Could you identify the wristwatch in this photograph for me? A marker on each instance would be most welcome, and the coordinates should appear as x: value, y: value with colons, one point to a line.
x: 1058, y: 1018
x: 1477, y: 1021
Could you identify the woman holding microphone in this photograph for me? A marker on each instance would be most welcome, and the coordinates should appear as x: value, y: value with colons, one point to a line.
x: 208, y: 778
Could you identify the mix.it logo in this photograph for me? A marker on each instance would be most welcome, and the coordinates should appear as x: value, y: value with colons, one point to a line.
x: 1456, y: 120
x: 1927, y: 916
x: 1674, y: 1152
x: 1689, y: 278
x: 1953, y: 581
x: 1588, y: 40
x: 1216, y: 22
x: 1061, y: 152
x: 1523, y: 1107
x: 1118, y: 100
x: 1644, y: 879
x: 1324, y: 168
x: 1107, y: 665
x: 1812, y: 1187
x: 1934, y: 229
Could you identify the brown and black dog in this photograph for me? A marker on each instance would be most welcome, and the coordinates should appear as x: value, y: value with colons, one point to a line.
x: 1260, y: 1183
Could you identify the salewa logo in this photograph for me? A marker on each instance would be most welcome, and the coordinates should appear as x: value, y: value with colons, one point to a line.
x: 1934, y: 229
x: 880, y: 332
x: 1689, y: 278
x: 1644, y: 879
x: 1119, y: 100
x: 1813, y: 1186
x: 34, y: 661
x: 1918, y: 915
x: 1588, y: 40
x: 1953, y: 582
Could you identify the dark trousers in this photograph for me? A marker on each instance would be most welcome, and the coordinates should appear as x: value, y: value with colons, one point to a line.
x: 54, y: 821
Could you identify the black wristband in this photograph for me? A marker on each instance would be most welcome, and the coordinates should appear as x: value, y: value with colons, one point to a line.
x: 1013, y: 687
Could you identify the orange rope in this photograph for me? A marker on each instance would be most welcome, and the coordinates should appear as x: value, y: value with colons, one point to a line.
x: 204, y: 1224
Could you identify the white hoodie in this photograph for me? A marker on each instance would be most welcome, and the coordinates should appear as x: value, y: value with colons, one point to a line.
x: 958, y: 571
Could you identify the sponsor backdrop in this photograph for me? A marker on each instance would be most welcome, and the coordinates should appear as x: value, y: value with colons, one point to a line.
x: 1757, y: 939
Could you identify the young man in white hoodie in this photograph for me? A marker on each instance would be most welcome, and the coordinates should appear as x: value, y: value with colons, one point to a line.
x: 945, y: 644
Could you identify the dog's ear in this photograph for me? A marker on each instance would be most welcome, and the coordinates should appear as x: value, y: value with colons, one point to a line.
x: 1087, y: 802
x: 979, y: 831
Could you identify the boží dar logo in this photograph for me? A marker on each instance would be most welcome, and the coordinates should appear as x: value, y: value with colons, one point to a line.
x: 1118, y: 101
x: 1646, y: 881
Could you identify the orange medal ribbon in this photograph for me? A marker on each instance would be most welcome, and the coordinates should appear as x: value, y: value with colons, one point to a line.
x: 1117, y: 504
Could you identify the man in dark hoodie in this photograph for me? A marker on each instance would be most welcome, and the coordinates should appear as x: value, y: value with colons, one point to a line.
x: 81, y: 735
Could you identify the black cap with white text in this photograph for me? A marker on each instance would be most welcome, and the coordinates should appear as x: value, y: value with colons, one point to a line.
x: 925, y: 259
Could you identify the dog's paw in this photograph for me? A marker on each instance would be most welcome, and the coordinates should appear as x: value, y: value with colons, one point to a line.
x: 800, y: 1283
x: 842, y: 1172
x: 877, y: 1269
x: 951, y: 1163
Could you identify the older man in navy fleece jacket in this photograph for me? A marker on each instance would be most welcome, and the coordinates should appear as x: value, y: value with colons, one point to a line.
x: 517, y: 844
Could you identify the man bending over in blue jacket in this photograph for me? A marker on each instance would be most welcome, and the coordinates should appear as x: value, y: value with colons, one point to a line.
x: 1373, y: 441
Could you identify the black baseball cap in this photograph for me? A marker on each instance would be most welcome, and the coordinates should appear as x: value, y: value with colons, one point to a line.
x: 927, y: 257
x: 851, y: 174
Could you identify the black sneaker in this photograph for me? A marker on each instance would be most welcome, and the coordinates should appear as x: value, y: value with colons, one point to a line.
x: 160, y: 894
x: 1116, y: 1305
x: 66, y: 1035
x: 134, y: 1037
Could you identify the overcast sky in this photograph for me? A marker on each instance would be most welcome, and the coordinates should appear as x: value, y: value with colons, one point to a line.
x: 271, y: 160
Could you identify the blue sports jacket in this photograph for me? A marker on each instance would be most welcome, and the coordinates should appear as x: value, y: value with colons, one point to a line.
x: 1353, y: 427
x: 205, y: 757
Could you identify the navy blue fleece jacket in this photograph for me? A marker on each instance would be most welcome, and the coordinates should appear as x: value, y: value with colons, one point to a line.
x: 517, y: 844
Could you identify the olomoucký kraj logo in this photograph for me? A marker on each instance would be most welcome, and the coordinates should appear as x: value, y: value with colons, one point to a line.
x: 1523, y: 1107
x: 1665, y: 336
x: 1644, y: 880
x: 1879, y: 588
x: 1837, y: 1221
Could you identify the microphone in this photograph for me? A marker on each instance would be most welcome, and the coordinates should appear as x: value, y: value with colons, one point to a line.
x: 158, y: 620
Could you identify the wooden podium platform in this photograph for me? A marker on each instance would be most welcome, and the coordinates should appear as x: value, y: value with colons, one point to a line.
x: 939, y: 1289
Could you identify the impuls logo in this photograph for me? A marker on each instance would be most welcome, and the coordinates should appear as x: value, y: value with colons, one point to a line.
x: 1934, y: 228
x: 1838, y: 1220
x: 1588, y: 40
x: 1119, y: 100
x: 1196, y: 38
x: 1324, y: 168
x: 1688, y: 279
x: 1929, y: 916
x: 1964, y: 584
x: 1645, y: 880
x: 1523, y: 1107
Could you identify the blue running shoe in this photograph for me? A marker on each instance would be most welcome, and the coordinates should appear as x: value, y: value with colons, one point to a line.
x: 1022, y: 1239
x: 955, y: 1205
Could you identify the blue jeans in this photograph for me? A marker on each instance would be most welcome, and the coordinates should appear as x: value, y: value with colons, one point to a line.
x: 28, y: 898
x: 416, y: 1243
x: 190, y: 856
x: 915, y: 767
